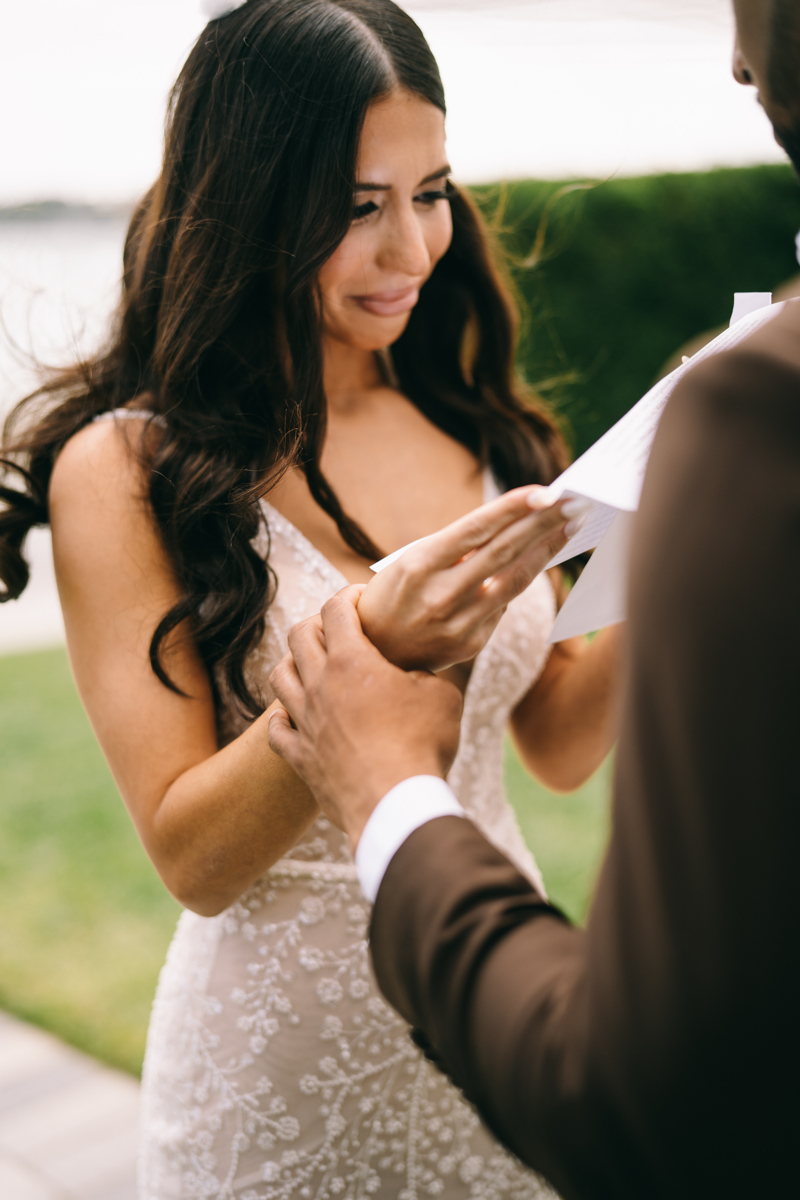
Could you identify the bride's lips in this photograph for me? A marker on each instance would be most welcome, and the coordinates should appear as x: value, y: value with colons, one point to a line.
x: 389, y: 304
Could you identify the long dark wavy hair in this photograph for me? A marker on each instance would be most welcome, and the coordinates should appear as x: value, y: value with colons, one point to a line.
x: 219, y: 329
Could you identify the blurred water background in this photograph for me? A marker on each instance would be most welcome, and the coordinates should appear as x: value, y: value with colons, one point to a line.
x: 59, y: 282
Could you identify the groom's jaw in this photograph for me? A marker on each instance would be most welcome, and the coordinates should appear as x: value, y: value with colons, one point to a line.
x: 789, y: 139
x: 767, y: 56
x: 783, y: 74
x: 783, y: 55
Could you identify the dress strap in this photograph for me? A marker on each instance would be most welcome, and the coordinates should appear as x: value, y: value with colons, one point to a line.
x: 129, y: 414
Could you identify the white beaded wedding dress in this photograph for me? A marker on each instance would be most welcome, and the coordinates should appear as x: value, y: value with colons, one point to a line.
x: 274, y: 1070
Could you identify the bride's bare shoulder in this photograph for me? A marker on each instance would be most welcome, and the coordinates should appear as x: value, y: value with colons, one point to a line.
x: 99, y: 509
x: 101, y: 464
x: 107, y: 547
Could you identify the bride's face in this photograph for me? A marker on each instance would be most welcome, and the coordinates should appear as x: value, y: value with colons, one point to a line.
x: 401, y: 227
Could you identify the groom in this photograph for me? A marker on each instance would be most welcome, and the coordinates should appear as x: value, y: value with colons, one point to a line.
x: 656, y: 1054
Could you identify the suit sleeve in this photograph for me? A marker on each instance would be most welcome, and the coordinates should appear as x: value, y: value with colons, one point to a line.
x: 656, y: 1053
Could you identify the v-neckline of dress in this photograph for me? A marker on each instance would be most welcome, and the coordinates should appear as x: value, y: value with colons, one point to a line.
x: 310, y: 552
x: 332, y: 574
x: 490, y: 492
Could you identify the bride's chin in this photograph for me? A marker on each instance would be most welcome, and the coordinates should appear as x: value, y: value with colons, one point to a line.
x: 378, y: 334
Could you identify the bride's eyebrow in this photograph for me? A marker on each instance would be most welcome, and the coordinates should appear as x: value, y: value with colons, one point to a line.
x: 387, y: 187
x: 440, y: 174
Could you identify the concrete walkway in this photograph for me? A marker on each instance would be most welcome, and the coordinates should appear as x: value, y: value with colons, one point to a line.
x: 68, y: 1126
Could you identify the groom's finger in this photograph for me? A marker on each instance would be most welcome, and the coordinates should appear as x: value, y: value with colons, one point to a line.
x: 344, y: 636
x: 307, y: 639
x: 307, y: 644
x: 287, y: 685
x: 283, y: 737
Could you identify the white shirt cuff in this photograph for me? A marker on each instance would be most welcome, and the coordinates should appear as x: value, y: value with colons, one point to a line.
x: 412, y: 803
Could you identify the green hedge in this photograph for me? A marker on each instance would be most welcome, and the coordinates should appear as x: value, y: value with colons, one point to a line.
x: 626, y: 272
x: 630, y: 269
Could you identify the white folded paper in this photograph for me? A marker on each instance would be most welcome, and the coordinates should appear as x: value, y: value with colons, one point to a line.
x: 598, y: 598
x: 610, y: 474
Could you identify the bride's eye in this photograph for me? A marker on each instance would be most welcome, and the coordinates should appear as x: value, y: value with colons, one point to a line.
x: 430, y: 198
x: 364, y: 210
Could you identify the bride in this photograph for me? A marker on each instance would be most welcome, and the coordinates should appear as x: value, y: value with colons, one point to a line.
x: 244, y: 448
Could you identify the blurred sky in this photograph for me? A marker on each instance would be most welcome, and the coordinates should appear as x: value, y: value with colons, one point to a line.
x: 547, y: 88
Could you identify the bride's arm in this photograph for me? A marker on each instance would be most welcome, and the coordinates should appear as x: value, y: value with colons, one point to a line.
x: 211, y: 820
x: 567, y: 723
x: 438, y: 604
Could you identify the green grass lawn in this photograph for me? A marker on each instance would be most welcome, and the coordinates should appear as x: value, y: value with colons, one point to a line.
x: 85, y: 920
x: 567, y: 834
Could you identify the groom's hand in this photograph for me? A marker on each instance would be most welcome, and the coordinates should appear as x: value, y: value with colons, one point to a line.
x: 354, y: 725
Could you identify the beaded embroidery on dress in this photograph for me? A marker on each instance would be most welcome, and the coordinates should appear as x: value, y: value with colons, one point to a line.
x: 274, y: 1069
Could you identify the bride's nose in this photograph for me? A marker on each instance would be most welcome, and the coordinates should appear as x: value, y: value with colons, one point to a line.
x: 403, y: 249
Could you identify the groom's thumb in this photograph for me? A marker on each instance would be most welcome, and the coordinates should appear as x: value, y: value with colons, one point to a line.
x: 282, y: 735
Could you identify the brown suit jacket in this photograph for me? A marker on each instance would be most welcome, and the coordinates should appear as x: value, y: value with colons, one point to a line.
x: 656, y: 1054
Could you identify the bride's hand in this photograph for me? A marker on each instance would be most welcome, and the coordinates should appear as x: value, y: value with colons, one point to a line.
x: 439, y: 603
